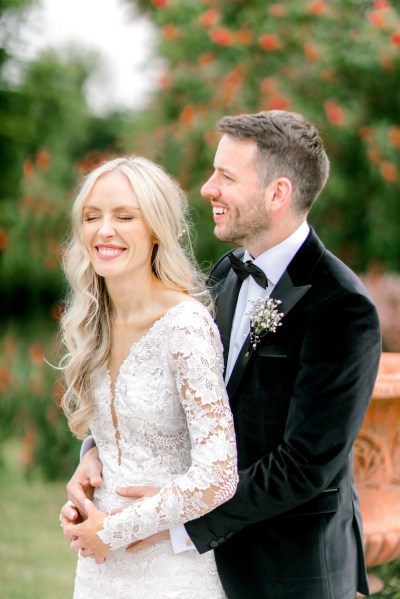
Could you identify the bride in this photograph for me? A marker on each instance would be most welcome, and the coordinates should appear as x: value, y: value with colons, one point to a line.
x: 143, y: 373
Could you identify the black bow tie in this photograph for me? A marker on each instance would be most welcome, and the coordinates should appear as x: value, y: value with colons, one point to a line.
x: 244, y: 269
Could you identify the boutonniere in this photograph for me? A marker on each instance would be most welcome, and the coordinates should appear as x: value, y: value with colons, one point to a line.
x: 264, y: 318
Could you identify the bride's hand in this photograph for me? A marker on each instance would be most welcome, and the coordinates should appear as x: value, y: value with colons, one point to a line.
x: 87, y: 540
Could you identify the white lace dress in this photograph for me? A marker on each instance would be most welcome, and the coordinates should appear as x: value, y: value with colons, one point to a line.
x: 174, y: 431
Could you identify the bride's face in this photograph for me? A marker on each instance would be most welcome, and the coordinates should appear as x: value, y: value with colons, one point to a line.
x: 114, y: 232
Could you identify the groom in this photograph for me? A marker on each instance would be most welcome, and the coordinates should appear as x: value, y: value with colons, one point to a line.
x: 298, y: 392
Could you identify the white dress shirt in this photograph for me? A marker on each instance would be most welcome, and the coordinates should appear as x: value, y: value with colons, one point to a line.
x: 273, y: 263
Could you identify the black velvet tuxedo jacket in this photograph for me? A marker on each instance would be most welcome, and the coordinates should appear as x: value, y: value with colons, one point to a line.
x: 293, y: 529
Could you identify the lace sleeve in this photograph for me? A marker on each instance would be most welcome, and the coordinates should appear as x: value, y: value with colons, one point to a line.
x: 196, y: 361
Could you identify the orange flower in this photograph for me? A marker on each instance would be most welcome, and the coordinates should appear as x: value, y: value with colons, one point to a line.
x: 268, y: 85
x: 377, y: 19
x: 277, y: 10
x: 381, y: 4
x: 395, y: 38
x: 386, y: 62
x: 43, y: 159
x: 3, y: 239
x: 170, y: 33
x: 187, y: 115
x: 36, y: 352
x: 334, y: 112
x: 28, y: 169
x: 269, y: 42
x: 278, y: 103
x: 59, y: 390
x: 221, y: 36
x: 5, y: 379
x: 373, y: 155
x: 328, y: 75
x: 210, y: 17
x: 366, y: 133
x: 317, y: 8
x: 311, y: 52
x: 243, y: 36
x: 389, y: 171
x: 10, y: 348
x: 394, y: 136
x: 206, y: 58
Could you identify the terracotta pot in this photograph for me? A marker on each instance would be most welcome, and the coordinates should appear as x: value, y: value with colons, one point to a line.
x: 377, y: 466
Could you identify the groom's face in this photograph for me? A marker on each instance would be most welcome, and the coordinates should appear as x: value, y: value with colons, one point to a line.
x: 238, y: 202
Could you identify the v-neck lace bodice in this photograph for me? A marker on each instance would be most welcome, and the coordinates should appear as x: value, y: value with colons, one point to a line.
x: 175, y: 431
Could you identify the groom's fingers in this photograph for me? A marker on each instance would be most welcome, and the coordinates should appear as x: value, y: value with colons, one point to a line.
x: 137, y: 492
x: 146, y: 543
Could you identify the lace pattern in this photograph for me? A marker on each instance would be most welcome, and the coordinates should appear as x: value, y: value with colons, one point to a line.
x: 175, y: 426
x: 175, y: 432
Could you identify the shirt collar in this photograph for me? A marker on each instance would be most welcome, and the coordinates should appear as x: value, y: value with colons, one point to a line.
x: 275, y: 261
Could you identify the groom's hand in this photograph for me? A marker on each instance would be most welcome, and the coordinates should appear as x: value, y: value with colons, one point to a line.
x: 87, y: 476
x: 139, y: 493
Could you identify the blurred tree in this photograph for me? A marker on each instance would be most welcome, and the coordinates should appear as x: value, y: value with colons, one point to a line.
x: 336, y: 62
x: 57, y: 132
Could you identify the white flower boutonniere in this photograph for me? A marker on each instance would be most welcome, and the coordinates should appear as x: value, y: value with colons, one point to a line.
x: 264, y: 318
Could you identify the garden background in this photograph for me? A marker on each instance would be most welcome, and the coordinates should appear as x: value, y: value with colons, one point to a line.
x: 337, y: 62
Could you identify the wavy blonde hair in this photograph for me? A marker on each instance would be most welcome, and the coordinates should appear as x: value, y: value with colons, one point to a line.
x: 86, y: 324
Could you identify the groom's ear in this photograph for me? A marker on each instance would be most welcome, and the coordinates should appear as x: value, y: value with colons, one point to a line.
x: 279, y: 193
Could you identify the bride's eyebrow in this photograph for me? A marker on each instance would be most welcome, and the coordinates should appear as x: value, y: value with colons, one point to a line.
x: 117, y: 209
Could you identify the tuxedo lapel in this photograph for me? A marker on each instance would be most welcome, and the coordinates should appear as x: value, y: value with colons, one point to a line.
x: 226, y: 305
x: 289, y: 293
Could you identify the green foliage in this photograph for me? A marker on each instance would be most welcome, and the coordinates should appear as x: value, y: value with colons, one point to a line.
x: 338, y: 63
x: 335, y: 62
x: 30, y: 392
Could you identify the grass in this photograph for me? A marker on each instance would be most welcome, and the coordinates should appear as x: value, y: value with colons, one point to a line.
x: 35, y: 559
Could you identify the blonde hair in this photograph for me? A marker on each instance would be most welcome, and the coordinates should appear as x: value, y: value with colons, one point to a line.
x: 85, y: 324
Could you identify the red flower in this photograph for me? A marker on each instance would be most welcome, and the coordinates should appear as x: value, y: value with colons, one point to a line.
x: 381, y: 4
x: 210, y: 17
x: 377, y: 19
x: 5, y: 379
x: 395, y: 38
x: 334, y: 112
x: 278, y: 103
x: 160, y: 3
x: 3, y: 239
x: 187, y: 115
x: 221, y: 36
x: 317, y: 8
x: 171, y: 33
x: 269, y: 42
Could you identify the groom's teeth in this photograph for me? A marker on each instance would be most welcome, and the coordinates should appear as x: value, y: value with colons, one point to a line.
x: 220, y: 210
